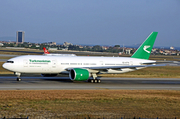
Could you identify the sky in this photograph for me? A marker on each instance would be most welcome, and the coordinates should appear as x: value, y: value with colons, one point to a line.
x: 92, y: 22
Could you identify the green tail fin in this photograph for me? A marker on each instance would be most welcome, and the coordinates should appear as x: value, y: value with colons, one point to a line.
x: 144, y: 51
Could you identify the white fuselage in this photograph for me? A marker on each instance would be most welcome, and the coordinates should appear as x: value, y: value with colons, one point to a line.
x: 60, y: 64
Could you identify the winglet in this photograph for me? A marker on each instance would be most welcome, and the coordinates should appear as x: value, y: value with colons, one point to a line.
x: 144, y: 51
x: 45, y: 51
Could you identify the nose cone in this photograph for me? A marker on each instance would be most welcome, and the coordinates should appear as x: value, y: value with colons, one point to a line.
x: 4, y: 65
x: 7, y: 66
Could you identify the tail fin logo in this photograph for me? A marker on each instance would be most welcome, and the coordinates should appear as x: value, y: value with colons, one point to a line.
x: 45, y: 51
x: 146, y: 47
x: 144, y: 51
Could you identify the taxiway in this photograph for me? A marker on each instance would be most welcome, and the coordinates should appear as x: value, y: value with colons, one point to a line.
x: 64, y: 83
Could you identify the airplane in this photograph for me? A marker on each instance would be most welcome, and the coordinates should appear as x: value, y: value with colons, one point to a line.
x: 45, y: 51
x: 83, y: 68
x: 52, y: 54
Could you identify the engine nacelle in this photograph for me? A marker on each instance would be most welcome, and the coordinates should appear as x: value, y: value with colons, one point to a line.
x: 78, y: 74
x: 49, y: 75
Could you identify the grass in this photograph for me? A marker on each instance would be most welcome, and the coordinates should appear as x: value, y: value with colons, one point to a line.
x: 128, y: 103
x: 164, y: 57
x: 6, y: 58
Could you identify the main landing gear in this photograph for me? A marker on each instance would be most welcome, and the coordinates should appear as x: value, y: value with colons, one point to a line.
x: 18, y: 76
x: 94, y: 80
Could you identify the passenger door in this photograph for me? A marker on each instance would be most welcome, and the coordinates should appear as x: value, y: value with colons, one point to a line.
x: 25, y: 63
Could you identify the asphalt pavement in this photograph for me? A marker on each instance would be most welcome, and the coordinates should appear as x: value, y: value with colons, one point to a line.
x: 64, y: 83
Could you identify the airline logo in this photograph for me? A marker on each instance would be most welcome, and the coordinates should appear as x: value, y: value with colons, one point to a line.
x: 146, y: 47
x: 44, y: 61
x: 45, y: 51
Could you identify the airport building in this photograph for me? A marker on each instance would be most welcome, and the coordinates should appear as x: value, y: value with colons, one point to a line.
x: 20, y: 36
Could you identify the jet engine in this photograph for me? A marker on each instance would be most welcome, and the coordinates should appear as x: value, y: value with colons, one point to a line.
x: 78, y: 74
x: 49, y: 75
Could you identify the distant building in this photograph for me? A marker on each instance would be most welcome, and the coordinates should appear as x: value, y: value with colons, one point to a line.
x: 120, y: 53
x: 128, y: 51
x: 172, y: 48
x: 20, y: 36
x: 37, y: 46
x: 67, y: 44
x: 52, y: 48
x: 1, y: 44
x: 52, y: 43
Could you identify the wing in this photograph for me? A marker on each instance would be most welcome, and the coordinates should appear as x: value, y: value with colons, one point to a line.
x: 123, y: 67
x: 156, y: 64
x: 118, y: 67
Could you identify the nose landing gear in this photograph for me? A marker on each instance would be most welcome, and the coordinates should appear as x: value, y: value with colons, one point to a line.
x: 18, y: 76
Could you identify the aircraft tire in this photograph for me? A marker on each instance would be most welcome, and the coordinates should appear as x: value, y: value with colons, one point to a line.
x: 18, y: 79
x: 98, y: 80
x: 92, y: 81
x: 95, y: 81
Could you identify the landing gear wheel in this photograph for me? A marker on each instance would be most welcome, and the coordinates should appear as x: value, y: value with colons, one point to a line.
x: 92, y: 81
x: 18, y: 76
x: 18, y: 79
x: 95, y: 81
x: 98, y: 80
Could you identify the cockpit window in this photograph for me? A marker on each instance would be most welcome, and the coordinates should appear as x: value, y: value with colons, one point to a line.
x: 9, y: 61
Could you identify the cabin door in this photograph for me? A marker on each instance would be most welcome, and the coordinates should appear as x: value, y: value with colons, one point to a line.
x: 54, y: 63
x: 25, y: 63
x: 101, y: 63
x: 131, y: 63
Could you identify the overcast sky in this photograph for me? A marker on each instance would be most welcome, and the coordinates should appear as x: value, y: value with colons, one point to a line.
x: 93, y: 22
